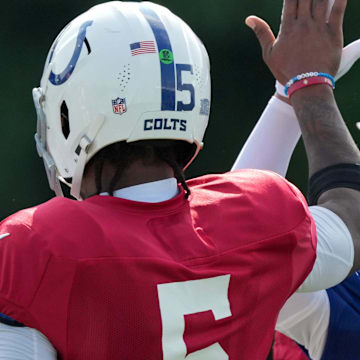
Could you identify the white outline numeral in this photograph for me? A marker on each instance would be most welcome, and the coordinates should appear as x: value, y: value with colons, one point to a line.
x: 189, y: 297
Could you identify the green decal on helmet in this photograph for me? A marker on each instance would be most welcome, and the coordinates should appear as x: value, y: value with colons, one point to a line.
x: 166, y: 56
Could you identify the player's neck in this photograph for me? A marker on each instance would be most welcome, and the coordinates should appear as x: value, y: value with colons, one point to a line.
x: 135, y: 174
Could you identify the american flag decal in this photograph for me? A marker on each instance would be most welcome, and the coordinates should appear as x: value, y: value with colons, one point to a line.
x: 142, y: 47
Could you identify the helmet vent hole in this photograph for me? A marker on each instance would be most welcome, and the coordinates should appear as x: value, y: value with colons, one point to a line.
x: 124, y: 77
x: 198, y: 77
x: 64, y: 116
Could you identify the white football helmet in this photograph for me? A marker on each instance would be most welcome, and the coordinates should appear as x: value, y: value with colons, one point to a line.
x: 120, y: 71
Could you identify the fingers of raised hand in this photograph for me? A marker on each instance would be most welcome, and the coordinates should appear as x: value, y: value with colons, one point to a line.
x: 263, y: 33
x: 317, y: 9
x: 304, y: 8
x: 337, y: 14
x: 289, y: 12
x: 320, y: 9
x: 330, y: 6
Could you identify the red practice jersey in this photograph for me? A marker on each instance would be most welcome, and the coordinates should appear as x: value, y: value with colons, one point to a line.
x: 204, y: 278
x: 286, y: 349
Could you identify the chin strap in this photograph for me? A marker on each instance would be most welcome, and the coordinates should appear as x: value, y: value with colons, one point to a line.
x: 83, y: 149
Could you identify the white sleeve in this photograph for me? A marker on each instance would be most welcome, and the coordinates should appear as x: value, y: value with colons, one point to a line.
x: 305, y: 318
x: 272, y: 141
x: 23, y: 343
x: 269, y: 147
x: 334, y: 251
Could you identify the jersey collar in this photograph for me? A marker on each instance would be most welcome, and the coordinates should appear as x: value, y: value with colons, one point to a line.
x: 152, y: 192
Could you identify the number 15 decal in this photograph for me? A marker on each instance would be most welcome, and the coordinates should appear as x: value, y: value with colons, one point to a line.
x: 189, y: 297
x: 185, y: 87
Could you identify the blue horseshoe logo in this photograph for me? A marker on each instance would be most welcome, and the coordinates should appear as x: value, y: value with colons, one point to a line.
x: 58, y: 79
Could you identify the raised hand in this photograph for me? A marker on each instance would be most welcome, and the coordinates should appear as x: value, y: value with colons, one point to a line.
x: 309, y: 39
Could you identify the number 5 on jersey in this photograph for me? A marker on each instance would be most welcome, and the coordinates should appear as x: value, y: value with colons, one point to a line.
x: 189, y: 297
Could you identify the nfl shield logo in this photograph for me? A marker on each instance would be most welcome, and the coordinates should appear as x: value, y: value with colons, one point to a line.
x: 119, y: 106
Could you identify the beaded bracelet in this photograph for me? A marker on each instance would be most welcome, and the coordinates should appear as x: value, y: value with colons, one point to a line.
x: 306, y: 76
x: 318, y: 80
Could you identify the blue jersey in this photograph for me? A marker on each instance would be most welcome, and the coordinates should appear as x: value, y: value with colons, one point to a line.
x: 344, y: 326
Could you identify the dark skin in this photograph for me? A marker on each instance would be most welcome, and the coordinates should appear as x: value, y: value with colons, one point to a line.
x: 307, y: 42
